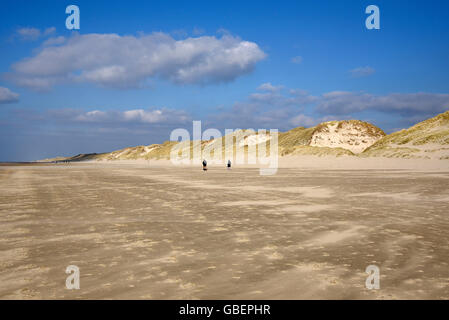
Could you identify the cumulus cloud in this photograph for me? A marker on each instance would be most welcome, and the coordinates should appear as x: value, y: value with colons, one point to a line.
x: 112, y: 60
x: 269, y: 87
x: 362, y: 72
x: 343, y: 102
x: 7, y: 96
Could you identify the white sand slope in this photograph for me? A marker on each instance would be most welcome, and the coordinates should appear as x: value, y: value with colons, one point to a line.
x: 351, y: 135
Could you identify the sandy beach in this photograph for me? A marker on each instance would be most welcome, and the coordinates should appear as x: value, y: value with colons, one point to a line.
x: 140, y: 230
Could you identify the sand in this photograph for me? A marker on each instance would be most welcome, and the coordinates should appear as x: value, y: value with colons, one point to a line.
x: 153, y: 231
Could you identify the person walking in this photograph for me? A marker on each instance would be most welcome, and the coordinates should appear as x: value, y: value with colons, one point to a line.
x: 204, y: 165
x: 228, y: 165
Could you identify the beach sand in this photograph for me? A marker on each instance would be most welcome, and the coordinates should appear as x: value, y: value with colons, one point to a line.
x: 149, y: 230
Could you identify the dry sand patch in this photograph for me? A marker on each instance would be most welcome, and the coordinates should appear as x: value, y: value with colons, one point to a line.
x: 169, y: 233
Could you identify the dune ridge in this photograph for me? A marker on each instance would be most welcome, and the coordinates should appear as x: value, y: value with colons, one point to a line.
x: 428, y: 139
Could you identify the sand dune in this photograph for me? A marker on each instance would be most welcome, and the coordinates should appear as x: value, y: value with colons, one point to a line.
x: 426, y: 140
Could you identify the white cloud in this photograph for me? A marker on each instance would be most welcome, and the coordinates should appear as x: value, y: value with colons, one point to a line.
x: 32, y: 34
x: 138, y: 116
x: 29, y: 33
x: 92, y: 116
x: 112, y: 60
x: 54, y: 41
x: 362, y: 72
x: 269, y: 87
x: 7, y: 96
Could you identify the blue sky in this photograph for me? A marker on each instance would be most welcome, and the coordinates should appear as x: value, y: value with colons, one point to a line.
x: 138, y: 69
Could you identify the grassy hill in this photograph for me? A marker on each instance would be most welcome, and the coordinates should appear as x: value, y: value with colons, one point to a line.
x: 427, y: 139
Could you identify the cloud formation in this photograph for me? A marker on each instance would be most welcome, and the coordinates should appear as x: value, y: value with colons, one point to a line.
x: 343, y: 102
x: 272, y: 106
x: 7, y: 96
x: 137, y: 116
x: 33, y: 34
x: 112, y: 60
x: 269, y: 87
x: 279, y: 107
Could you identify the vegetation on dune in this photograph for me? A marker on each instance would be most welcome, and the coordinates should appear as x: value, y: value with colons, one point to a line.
x: 296, y: 137
x: 361, y: 126
x: 419, y: 141
x: 315, y: 151
x: 420, y: 137
x: 393, y: 152
x: 154, y: 151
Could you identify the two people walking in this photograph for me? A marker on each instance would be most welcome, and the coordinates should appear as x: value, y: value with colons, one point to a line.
x: 228, y: 165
